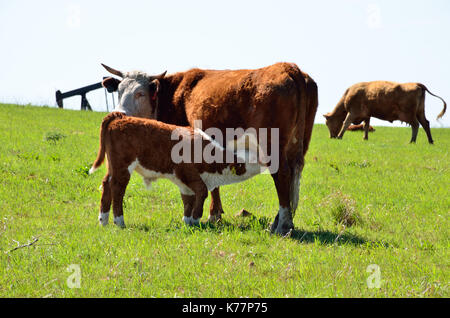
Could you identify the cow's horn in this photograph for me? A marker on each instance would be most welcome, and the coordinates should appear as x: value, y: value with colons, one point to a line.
x: 112, y: 71
x: 160, y: 76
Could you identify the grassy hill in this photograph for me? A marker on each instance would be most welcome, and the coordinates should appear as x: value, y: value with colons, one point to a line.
x: 395, y: 194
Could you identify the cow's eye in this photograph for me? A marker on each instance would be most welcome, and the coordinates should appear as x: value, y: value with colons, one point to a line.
x: 139, y: 94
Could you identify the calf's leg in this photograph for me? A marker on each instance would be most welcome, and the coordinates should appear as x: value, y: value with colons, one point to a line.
x: 105, y: 203
x: 188, y: 202
x: 215, y: 209
x: 119, y: 182
x: 201, y: 193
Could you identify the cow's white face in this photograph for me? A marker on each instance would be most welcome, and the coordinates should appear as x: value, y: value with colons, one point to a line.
x: 136, y: 96
x: 138, y: 92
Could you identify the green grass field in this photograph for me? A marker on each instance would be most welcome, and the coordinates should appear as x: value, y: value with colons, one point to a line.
x: 396, y: 192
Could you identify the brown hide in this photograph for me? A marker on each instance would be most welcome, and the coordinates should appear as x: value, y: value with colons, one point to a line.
x: 359, y: 127
x: 383, y: 100
x: 126, y: 139
x: 267, y: 97
x: 277, y: 96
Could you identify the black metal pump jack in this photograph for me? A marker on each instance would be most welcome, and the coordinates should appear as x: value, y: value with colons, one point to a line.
x: 79, y: 91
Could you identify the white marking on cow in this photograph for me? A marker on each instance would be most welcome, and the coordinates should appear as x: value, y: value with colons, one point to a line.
x: 92, y: 170
x: 133, y: 166
x: 103, y: 218
x: 119, y: 221
x: 189, y: 220
x: 150, y: 176
x: 284, y: 217
x: 229, y: 176
x: 209, y: 138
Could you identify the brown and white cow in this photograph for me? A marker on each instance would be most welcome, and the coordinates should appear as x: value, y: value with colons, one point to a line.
x: 383, y: 100
x: 147, y: 147
x: 277, y: 96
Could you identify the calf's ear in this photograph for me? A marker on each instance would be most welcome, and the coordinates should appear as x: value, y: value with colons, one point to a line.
x: 111, y: 84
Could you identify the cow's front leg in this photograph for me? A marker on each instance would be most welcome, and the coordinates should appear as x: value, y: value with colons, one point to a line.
x: 348, y: 120
x: 215, y: 208
x: 366, y: 128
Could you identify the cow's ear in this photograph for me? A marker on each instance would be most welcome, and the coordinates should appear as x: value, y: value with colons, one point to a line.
x: 154, y: 87
x: 111, y: 84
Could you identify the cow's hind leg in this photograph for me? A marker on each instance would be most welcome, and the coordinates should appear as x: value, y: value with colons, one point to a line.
x: 119, y: 182
x: 426, y: 126
x: 415, y: 130
x: 105, y: 205
x: 283, y: 222
x: 215, y: 209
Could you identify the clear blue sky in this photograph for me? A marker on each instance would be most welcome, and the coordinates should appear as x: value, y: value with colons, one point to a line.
x: 50, y: 45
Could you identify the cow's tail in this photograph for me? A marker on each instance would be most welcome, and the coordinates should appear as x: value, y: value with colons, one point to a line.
x: 101, y: 152
x: 308, y: 100
x: 445, y: 104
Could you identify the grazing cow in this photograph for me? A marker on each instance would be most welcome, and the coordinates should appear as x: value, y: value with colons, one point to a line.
x: 277, y: 96
x: 146, y: 146
x: 359, y: 127
x: 383, y: 100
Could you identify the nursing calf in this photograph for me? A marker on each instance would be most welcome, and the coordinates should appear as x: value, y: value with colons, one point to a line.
x: 147, y: 147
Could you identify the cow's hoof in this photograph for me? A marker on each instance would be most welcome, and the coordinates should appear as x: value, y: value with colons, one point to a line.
x: 187, y: 220
x: 195, y: 222
x: 274, y: 225
x: 103, y: 218
x: 190, y: 221
x: 284, y: 230
x: 119, y: 221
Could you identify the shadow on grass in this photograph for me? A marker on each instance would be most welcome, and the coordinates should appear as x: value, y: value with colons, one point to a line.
x: 263, y: 224
x: 326, y: 237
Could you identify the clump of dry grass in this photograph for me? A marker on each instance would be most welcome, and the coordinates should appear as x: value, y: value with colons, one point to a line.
x: 343, y: 209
